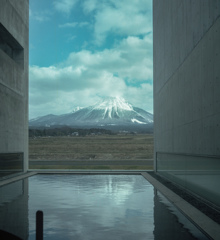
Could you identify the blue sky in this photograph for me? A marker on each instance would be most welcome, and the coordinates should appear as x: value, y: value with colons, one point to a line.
x: 83, y: 50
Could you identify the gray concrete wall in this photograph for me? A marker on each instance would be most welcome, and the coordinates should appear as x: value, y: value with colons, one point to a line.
x: 14, y: 41
x: 187, y: 86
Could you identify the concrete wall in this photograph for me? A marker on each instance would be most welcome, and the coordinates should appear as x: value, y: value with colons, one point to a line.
x: 14, y: 38
x: 187, y: 90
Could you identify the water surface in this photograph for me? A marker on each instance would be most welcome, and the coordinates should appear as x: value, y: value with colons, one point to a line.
x: 104, y: 207
x: 92, y: 207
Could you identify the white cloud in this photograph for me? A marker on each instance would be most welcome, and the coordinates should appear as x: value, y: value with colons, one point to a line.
x: 90, y: 5
x: 120, y: 17
x: 54, y: 90
x: 84, y: 76
x: 141, y: 97
x: 124, y: 70
x: 42, y: 16
x: 82, y: 24
x: 71, y: 38
x: 131, y: 59
x: 73, y: 24
x: 67, y: 25
x: 65, y: 6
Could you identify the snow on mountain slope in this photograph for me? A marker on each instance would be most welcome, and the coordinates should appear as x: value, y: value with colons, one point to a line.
x: 135, y: 120
x: 107, y: 112
x: 77, y: 109
x: 115, y: 103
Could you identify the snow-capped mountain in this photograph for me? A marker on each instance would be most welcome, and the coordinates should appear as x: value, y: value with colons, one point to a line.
x: 77, y: 109
x: 109, y: 113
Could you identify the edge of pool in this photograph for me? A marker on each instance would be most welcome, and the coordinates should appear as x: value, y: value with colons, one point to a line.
x: 208, y: 226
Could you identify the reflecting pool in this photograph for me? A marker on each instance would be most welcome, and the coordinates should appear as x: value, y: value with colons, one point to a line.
x: 94, y: 207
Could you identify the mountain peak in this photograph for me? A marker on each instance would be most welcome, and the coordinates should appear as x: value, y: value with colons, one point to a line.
x: 113, y: 103
x: 76, y: 109
x: 110, y: 113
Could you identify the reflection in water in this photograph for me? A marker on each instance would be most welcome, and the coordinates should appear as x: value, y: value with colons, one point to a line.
x: 170, y: 223
x: 91, y: 207
x: 14, y: 208
x: 104, y: 207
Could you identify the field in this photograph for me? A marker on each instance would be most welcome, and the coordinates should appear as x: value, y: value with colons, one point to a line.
x: 92, y: 152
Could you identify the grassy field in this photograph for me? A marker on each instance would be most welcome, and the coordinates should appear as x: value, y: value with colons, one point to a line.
x: 94, y: 148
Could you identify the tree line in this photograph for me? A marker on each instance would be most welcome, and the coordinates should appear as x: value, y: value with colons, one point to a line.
x: 66, y: 131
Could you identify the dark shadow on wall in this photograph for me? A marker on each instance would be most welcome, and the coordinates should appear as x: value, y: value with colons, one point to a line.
x: 11, y: 163
x: 14, y: 208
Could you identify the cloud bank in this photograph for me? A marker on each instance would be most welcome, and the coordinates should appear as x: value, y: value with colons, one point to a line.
x: 124, y: 69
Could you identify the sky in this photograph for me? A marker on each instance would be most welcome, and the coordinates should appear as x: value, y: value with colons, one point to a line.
x: 83, y: 50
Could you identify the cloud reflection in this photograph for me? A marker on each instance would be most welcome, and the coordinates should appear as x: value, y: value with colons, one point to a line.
x: 76, y: 206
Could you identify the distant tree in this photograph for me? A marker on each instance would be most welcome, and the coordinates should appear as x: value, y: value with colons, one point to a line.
x: 66, y: 131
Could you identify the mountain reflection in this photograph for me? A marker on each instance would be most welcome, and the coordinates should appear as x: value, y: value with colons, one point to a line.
x: 92, y: 207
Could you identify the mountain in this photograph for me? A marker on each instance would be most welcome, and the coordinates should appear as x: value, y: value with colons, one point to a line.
x: 76, y: 109
x: 110, y: 113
